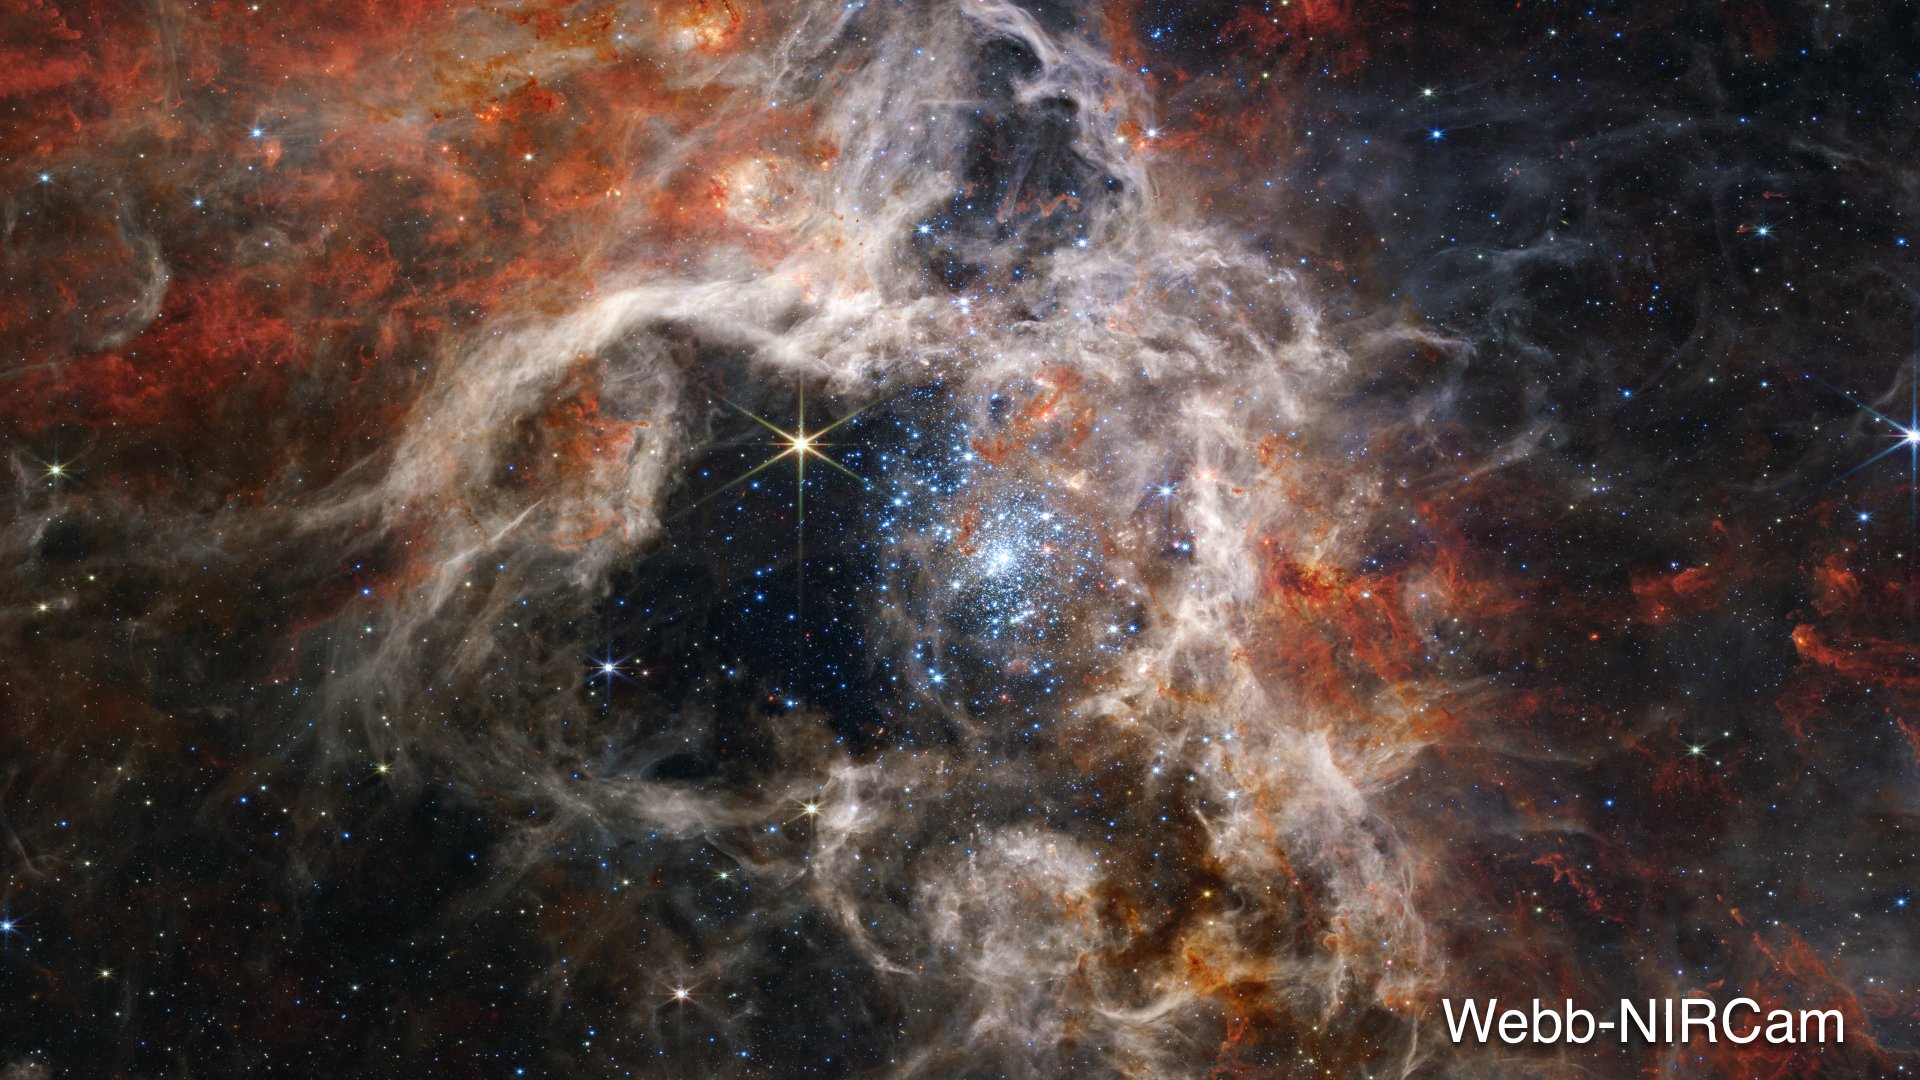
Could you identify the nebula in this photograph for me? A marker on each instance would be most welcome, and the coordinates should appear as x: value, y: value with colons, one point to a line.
x: 954, y: 538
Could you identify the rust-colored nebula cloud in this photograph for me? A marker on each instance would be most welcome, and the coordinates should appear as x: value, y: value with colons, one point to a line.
x: 954, y: 538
